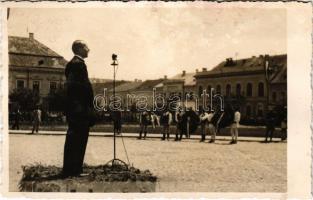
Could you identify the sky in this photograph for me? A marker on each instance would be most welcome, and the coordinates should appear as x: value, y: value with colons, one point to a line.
x: 153, y: 41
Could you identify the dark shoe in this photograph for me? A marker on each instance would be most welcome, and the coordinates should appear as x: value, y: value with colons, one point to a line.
x: 162, y: 138
x: 211, y: 141
x: 232, y: 142
x: 235, y: 141
x: 139, y: 138
x: 201, y: 140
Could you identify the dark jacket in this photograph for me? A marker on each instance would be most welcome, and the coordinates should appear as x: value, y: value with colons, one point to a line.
x: 79, y: 101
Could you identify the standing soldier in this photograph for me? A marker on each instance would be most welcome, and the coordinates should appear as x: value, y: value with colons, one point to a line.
x: 144, y: 121
x: 234, y: 126
x: 166, y: 120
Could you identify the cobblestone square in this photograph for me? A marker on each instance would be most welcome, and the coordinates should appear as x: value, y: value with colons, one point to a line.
x: 187, y: 166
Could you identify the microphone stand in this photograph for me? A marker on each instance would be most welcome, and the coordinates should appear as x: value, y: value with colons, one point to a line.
x: 115, y: 161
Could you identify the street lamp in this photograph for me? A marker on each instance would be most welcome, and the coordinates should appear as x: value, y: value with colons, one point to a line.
x: 268, y: 70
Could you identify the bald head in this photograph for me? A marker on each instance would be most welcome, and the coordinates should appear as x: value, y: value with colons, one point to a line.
x: 80, y: 48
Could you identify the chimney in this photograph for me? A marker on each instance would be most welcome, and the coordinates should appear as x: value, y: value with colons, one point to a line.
x: 31, y: 36
x: 136, y: 80
x: 184, y: 73
x: 204, y: 69
x: 165, y: 77
x: 197, y: 70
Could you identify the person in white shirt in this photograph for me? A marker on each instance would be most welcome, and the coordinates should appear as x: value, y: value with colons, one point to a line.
x: 155, y: 121
x: 36, y: 120
x: 234, y: 126
x: 212, y: 129
x: 203, y: 122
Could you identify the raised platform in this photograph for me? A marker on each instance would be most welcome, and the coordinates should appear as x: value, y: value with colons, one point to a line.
x: 102, y: 178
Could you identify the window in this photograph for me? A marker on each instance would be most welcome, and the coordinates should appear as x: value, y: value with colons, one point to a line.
x: 209, y: 89
x: 53, y: 87
x: 40, y: 62
x: 20, y: 84
x: 249, y: 90
x: 248, y: 111
x: 36, y: 86
x: 228, y: 90
x: 200, y: 91
x: 238, y: 89
x: 218, y: 89
x: 274, y: 96
x: 261, y: 89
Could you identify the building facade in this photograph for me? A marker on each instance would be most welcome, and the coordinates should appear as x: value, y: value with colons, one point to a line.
x: 34, y: 66
x: 245, y: 80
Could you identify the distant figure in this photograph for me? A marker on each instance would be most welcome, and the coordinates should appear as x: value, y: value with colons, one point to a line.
x: 79, y: 111
x: 203, y: 123
x: 166, y: 120
x: 192, y: 121
x: 117, y: 122
x: 16, y: 117
x: 283, y: 126
x: 212, y: 129
x: 144, y: 121
x: 36, y: 120
x: 234, y: 127
x: 155, y: 120
x: 179, y: 124
x: 270, y: 124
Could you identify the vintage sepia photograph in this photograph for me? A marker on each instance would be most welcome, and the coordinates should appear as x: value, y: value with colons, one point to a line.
x: 147, y: 99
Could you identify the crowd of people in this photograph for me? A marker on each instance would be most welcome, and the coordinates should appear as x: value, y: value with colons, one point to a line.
x: 209, y: 122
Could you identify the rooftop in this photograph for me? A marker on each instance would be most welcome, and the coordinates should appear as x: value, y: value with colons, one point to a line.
x: 245, y: 65
x: 28, y: 52
x: 29, y: 46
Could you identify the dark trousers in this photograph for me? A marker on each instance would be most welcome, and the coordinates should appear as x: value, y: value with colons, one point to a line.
x: 283, y: 134
x: 183, y: 131
x: 35, y: 126
x: 203, y: 126
x: 16, y: 125
x: 74, y: 148
x: 269, y: 132
x: 143, y: 129
x: 178, y: 131
x: 166, y: 131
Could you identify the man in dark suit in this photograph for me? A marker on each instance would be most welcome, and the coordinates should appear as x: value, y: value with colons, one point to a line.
x: 79, y: 110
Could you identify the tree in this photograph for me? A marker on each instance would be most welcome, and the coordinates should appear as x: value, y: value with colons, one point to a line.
x: 56, y: 100
x: 26, y: 98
